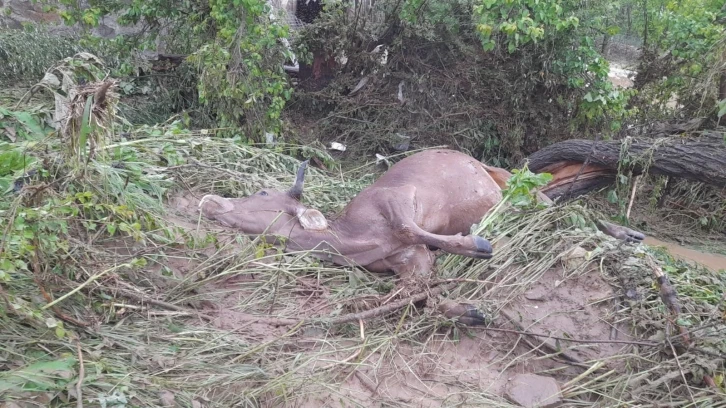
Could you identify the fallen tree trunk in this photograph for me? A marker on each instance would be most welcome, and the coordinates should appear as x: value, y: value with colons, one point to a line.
x: 700, y: 159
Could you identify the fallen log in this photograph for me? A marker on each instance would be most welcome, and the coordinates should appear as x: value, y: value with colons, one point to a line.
x: 701, y: 159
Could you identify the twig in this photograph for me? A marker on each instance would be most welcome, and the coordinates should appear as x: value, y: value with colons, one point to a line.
x: 83, y: 285
x: 145, y: 299
x: 372, y: 387
x: 81, y: 375
x: 669, y: 297
x: 528, y: 333
x: 383, y: 310
x: 680, y: 368
x: 256, y: 319
x: 462, y: 280
x: 632, y: 196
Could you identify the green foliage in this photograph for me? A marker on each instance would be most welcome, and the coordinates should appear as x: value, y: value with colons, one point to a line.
x: 44, y: 375
x: 519, y: 22
x: 553, y: 27
x: 13, y: 164
x: 26, y: 54
x: 600, y: 104
x: 690, y: 29
x: 23, y: 125
x: 233, y: 45
x: 241, y: 71
x: 437, y: 20
x: 522, y: 186
x: 685, y: 54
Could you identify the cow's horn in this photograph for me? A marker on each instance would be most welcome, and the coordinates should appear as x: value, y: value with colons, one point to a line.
x: 297, y: 188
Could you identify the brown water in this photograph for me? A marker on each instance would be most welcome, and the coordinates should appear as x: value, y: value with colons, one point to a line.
x: 712, y: 261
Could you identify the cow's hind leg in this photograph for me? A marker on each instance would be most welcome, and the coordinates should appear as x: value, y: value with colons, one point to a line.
x: 400, y: 210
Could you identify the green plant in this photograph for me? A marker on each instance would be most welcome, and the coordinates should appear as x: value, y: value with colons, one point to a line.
x: 25, y: 55
x: 519, y: 22
x: 234, y: 46
x: 685, y: 55
x: 521, y: 187
x: 554, y: 28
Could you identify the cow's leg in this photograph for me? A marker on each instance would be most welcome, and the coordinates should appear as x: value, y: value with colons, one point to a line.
x: 472, y: 246
x: 400, y: 210
x: 413, y: 264
x: 415, y: 261
x: 618, y: 231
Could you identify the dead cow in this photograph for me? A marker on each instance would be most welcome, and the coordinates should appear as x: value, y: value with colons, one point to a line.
x: 427, y: 200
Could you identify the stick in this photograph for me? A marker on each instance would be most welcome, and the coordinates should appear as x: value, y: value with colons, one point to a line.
x: 669, y: 297
x: 35, y: 262
x: 632, y: 196
x: 527, y: 333
x: 680, y: 369
x: 383, y: 310
x: 81, y: 375
x: 368, y: 384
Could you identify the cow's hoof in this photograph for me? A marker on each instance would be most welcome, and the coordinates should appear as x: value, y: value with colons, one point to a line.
x: 463, y: 313
x: 483, y: 248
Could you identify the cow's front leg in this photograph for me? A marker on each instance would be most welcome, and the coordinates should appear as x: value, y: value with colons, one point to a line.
x: 413, y: 265
x: 618, y: 231
x: 410, y: 264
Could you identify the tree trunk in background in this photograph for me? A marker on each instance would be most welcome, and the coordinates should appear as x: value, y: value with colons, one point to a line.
x: 605, y: 41
x: 645, y: 29
x: 317, y: 74
x: 699, y: 159
x: 628, y: 11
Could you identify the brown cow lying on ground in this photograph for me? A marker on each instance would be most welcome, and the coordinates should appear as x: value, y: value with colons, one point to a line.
x: 426, y: 200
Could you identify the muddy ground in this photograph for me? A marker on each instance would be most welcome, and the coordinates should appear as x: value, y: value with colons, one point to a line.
x: 574, y: 300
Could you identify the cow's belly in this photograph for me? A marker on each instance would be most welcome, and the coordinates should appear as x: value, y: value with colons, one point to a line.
x: 457, y: 213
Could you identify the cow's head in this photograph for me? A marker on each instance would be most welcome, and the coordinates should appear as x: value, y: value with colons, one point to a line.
x: 266, y: 210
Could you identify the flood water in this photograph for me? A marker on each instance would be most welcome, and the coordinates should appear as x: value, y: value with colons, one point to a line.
x: 714, y: 262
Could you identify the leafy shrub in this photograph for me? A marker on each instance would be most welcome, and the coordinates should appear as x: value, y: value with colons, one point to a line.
x: 26, y: 54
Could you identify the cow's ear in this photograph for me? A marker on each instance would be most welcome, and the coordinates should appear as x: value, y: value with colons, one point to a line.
x: 311, y: 219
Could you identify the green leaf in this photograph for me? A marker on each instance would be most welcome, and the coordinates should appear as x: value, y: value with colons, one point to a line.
x: 60, y: 332
x: 30, y: 123
x: 42, y: 376
x: 612, y: 196
x: 721, y: 108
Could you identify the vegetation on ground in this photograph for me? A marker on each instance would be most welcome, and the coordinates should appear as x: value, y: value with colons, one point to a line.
x: 114, y: 292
